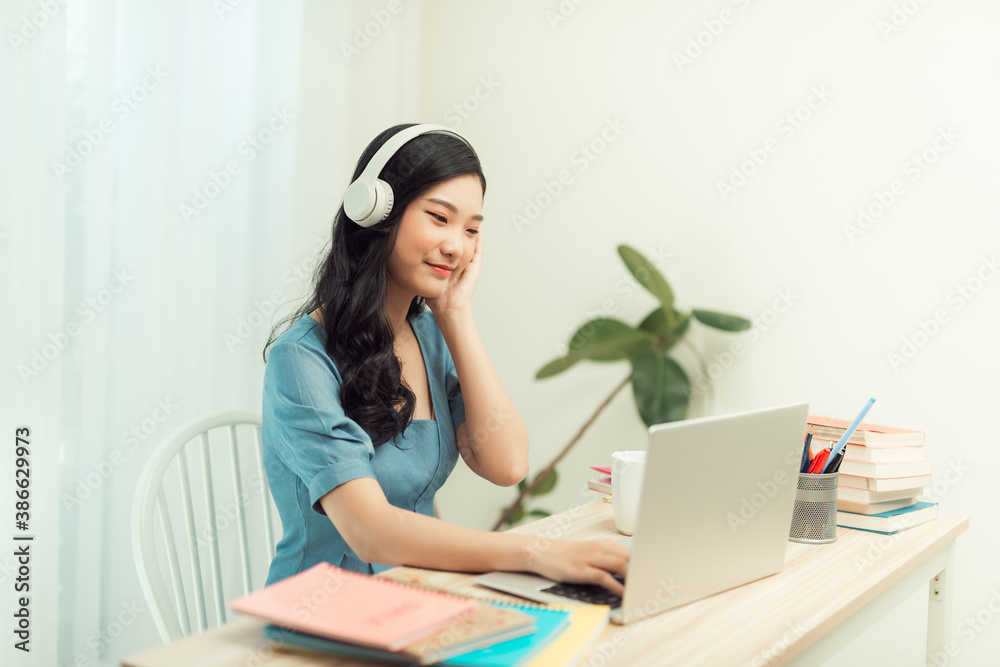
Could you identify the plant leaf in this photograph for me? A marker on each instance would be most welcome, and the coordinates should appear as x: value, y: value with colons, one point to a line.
x: 539, y: 513
x: 547, y: 484
x: 657, y: 322
x: 722, y: 321
x: 681, y: 328
x: 517, y: 515
x: 660, y: 324
x: 601, y: 339
x: 661, y: 388
x: 557, y: 366
x: 647, y: 275
x: 608, y: 339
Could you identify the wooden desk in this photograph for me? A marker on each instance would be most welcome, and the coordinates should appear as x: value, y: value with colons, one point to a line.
x: 791, y: 618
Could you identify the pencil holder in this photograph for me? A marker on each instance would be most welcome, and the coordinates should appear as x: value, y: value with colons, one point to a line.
x: 814, y: 519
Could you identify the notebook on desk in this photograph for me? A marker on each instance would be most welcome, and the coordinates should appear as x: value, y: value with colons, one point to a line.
x: 715, y: 512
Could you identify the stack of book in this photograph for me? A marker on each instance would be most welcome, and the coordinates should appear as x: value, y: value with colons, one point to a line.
x: 883, y: 473
x: 601, y: 483
x: 329, y: 610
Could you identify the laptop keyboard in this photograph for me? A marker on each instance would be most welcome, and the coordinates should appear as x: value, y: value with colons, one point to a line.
x: 589, y: 593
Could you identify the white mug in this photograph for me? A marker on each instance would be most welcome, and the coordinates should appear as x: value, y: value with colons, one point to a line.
x: 626, y: 485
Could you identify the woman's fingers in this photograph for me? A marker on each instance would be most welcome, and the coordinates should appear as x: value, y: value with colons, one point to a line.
x: 604, y: 578
x: 612, y: 559
x: 613, y: 563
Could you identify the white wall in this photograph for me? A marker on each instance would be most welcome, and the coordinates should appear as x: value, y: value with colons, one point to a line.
x: 553, y: 86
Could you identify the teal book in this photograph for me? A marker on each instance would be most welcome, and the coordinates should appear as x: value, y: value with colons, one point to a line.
x: 891, y: 522
x: 287, y: 638
x: 549, y: 624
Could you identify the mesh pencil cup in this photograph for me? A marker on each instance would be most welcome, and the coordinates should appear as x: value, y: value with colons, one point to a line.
x: 814, y: 519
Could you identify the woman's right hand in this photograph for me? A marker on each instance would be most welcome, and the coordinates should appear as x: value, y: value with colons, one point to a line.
x: 581, y: 561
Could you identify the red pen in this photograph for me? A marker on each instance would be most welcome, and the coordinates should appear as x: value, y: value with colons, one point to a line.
x: 819, y: 461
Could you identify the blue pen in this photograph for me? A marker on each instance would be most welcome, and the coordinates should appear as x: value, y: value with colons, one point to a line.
x: 848, y: 433
x: 804, y: 465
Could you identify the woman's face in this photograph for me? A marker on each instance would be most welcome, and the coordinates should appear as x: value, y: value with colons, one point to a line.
x: 439, y: 227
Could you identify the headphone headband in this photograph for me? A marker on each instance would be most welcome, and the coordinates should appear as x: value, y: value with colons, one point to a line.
x: 368, y: 200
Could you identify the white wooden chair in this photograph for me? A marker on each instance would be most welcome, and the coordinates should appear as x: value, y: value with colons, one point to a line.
x: 171, y: 610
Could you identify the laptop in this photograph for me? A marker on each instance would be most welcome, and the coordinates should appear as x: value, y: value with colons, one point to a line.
x: 715, y: 511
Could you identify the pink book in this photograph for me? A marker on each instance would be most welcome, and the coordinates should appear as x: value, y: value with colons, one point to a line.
x: 844, y: 423
x: 346, y: 606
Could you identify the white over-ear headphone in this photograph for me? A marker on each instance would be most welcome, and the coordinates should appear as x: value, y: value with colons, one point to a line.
x: 368, y: 200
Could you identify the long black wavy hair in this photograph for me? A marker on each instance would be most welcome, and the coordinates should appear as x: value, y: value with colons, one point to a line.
x: 350, y: 284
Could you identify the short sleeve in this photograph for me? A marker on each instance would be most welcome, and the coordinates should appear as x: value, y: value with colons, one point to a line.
x: 456, y: 403
x: 309, y: 430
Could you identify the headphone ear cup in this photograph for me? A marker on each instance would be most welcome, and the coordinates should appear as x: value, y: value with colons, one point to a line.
x: 359, y: 201
x: 383, y: 201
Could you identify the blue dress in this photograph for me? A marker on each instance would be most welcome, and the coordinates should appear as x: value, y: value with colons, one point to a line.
x: 311, y: 446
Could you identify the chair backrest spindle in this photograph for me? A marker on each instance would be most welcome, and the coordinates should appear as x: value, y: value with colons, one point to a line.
x: 173, y: 562
x: 199, y: 590
x: 215, y: 562
x: 241, y: 526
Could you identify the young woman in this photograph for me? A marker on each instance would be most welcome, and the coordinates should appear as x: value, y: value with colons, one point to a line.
x: 369, y: 398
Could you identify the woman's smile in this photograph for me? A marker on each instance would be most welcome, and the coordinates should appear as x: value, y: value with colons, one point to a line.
x: 441, y: 271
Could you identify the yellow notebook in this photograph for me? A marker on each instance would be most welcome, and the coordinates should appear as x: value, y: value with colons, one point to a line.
x: 580, y: 633
x: 586, y: 623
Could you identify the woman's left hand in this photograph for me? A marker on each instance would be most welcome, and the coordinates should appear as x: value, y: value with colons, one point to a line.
x: 457, y: 295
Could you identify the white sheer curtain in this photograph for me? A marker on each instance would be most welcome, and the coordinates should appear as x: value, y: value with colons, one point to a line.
x: 169, y: 172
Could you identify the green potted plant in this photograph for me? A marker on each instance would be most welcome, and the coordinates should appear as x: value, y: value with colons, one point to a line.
x: 660, y: 386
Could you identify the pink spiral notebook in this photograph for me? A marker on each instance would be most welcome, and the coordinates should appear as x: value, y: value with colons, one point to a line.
x: 346, y: 606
